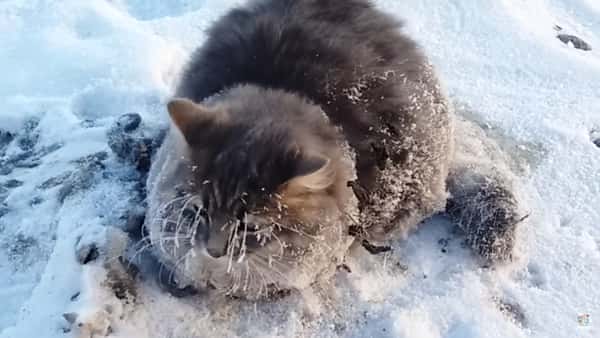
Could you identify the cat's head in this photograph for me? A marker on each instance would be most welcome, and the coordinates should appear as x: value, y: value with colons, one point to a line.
x: 261, y: 192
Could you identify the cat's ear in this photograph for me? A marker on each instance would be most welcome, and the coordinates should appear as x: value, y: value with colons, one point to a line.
x: 315, y: 173
x: 194, y: 120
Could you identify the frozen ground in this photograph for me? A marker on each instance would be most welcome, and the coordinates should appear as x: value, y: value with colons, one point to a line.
x: 70, y: 68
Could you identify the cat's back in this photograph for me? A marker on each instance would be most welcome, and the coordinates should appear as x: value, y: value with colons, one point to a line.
x: 353, y: 61
x: 317, y: 48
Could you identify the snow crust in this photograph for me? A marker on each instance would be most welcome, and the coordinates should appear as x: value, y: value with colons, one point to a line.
x: 71, y: 67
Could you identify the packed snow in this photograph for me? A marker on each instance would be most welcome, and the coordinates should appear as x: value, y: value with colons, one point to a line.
x: 71, y: 68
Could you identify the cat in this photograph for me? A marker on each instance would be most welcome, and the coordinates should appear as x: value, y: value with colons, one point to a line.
x: 298, y: 128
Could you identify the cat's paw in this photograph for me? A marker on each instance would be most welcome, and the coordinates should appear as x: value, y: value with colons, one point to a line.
x: 488, y: 213
x: 95, y: 323
x: 108, y: 251
x: 108, y: 285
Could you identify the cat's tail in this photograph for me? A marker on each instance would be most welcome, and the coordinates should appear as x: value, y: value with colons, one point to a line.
x: 483, y: 201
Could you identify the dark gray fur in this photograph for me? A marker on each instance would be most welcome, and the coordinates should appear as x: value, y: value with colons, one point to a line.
x: 275, y: 66
x: 352, y: 61
x: 318, y: 50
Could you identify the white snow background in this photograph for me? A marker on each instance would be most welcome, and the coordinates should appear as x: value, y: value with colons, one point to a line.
x: 69, y: 68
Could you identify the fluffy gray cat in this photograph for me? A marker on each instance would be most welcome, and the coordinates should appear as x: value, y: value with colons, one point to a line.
x: 299, y: 127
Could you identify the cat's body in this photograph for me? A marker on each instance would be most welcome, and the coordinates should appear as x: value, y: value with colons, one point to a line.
x: 368, y: 78
x: 252, y: 191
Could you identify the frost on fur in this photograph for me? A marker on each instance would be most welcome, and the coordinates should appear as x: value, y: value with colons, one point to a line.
x: 486, y: 211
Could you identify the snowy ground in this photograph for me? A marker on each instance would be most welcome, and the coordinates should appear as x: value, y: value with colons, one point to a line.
x: 71, y: 67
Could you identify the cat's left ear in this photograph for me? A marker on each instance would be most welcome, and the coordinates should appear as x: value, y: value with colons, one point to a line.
x: 196, y: 121
x: 314, y: 174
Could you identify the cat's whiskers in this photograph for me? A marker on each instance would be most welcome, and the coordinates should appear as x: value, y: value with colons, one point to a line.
x: 271, y: 264
x: 282, y: 244
x: 163, y: 239
x: 180, y: 218
x: 261, y: 278
x: 265, y: 271
x: 181, y: 260
x: 243, y: 249
x: 231, y: 246
x: 138, y: 252
x: 296, y: 231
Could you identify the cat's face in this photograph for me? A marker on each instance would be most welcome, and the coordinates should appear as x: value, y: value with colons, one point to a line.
x: 260, y: 196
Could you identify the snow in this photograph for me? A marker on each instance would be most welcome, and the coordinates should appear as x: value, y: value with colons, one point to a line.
x: 75, y: 66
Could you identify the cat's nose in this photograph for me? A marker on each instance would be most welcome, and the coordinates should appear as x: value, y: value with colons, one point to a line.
x: 215, y: 248
x: 216, y: 251
x: 216, y: 241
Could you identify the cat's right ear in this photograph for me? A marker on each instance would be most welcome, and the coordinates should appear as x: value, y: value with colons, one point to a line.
x: 195, y: 121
